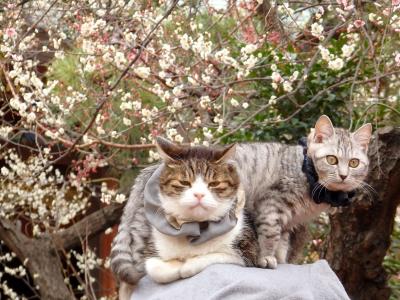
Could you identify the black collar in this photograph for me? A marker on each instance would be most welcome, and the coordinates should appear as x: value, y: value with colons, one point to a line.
x: 318, y: 192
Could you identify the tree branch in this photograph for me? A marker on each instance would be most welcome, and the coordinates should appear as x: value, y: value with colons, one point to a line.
x: 90, y: 225
x: 13, y: 238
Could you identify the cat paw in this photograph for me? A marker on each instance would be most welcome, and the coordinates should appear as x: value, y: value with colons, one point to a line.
x: 268, y: 262
x: 163, y: 271
x: 191, y: 268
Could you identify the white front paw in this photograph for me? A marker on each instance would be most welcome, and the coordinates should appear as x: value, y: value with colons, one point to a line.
x: 190, y: 268
x: 268, y: 262
x: 163, y: 271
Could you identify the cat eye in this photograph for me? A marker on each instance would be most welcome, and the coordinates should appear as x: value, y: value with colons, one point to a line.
x: 332, y: 159
x: 214, y: 184
x: 354, y: 162
x: 185, y: 183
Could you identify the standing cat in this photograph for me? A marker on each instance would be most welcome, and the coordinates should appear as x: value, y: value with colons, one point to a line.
x: 277, y: 192
x: 193, y: 205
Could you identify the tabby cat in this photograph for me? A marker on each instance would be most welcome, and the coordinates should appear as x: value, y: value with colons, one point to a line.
x: 197, y: 187
x: 276, y: 190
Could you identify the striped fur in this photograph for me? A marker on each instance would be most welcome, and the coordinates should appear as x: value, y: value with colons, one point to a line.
x: 139, y: 247
x: 276, y: 193
x: 133, y: 243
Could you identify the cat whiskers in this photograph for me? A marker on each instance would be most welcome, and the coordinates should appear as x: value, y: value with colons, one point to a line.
x: 368, y: 189
x: 321, y: 186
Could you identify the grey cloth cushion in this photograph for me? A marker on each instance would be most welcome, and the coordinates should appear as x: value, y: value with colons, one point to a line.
x: 224, y: 281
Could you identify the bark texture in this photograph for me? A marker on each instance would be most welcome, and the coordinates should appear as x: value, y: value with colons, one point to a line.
x: 42, y: 252
x: 360, y: 234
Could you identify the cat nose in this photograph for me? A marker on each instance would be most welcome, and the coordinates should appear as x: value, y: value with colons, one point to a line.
x: 198, y: 196
x: 343, y: 177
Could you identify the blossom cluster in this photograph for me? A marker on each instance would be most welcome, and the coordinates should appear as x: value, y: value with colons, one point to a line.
x: 107, y: 77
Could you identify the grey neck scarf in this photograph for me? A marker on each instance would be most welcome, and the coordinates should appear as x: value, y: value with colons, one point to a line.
x: 195, y: 232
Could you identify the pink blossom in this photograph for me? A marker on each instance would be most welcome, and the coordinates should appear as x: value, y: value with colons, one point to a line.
x: 397, y: 59
x: 386, y: 12
x: 274, y: 37
x: 345, y: 4
x: 11, y: 33
x: 395, y: 2
x: 359, y: 23
x: 342, y: 2
x: 276, y: 77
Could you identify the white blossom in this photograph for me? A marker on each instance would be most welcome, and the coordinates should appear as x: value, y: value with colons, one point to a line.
x: 287, y: 86
x: 336, y: 64
x: 347, y: 50
x: 143, y: 72
x: 234, y: 102
x: 317, y: 29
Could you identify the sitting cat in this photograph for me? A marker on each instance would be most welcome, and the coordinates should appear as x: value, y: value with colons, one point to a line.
x: 190, y: 213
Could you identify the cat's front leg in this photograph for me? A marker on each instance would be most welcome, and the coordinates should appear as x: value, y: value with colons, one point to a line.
x: 269, y: 231
x: 163, y: 271
x: 195, y: 265
x: 283, y: 248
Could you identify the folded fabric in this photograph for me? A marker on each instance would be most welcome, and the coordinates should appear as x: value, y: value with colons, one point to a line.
x: 231, y: 282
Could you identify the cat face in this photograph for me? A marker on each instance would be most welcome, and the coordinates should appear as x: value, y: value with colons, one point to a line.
x: 197, y: 183
x: 339, y: 156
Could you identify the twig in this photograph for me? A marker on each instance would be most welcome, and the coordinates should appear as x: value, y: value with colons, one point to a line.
x: 106, y: 97
x: 34, y: 24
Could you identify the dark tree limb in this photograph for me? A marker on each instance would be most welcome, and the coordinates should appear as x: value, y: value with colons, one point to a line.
x: 42, y: 260
x: 91, y: 225
x: 42, y: 254
x: 360, y: 234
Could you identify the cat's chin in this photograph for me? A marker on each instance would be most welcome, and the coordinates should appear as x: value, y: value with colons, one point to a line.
x: 201, y: 214
x: 198, y: 213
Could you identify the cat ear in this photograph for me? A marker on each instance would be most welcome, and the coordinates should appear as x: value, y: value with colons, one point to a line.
x: 167, y: 150
x: 363, y: 135
x: 226, y: 154
x: 323, y: 129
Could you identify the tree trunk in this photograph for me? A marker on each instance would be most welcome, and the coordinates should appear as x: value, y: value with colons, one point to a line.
x: 41, y: 252
x: 43, y: 263
x: 47, y: 265
x: 360, y: 234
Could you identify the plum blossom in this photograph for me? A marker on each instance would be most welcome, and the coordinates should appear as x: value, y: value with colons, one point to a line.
x: 10, y: 33
x: 234, y: 102
x: 336, y: 64
x: 276, y: 77
x: 347, y: 50
x: 397, y: 59
x: 287, y: 86
x: 317, y: 30
x: 143, y: 72
x: 359, y: 23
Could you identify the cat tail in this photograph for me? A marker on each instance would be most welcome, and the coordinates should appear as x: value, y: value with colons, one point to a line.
x: 123, y: 265
x: 125, y: 291
x: 132, y: 243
